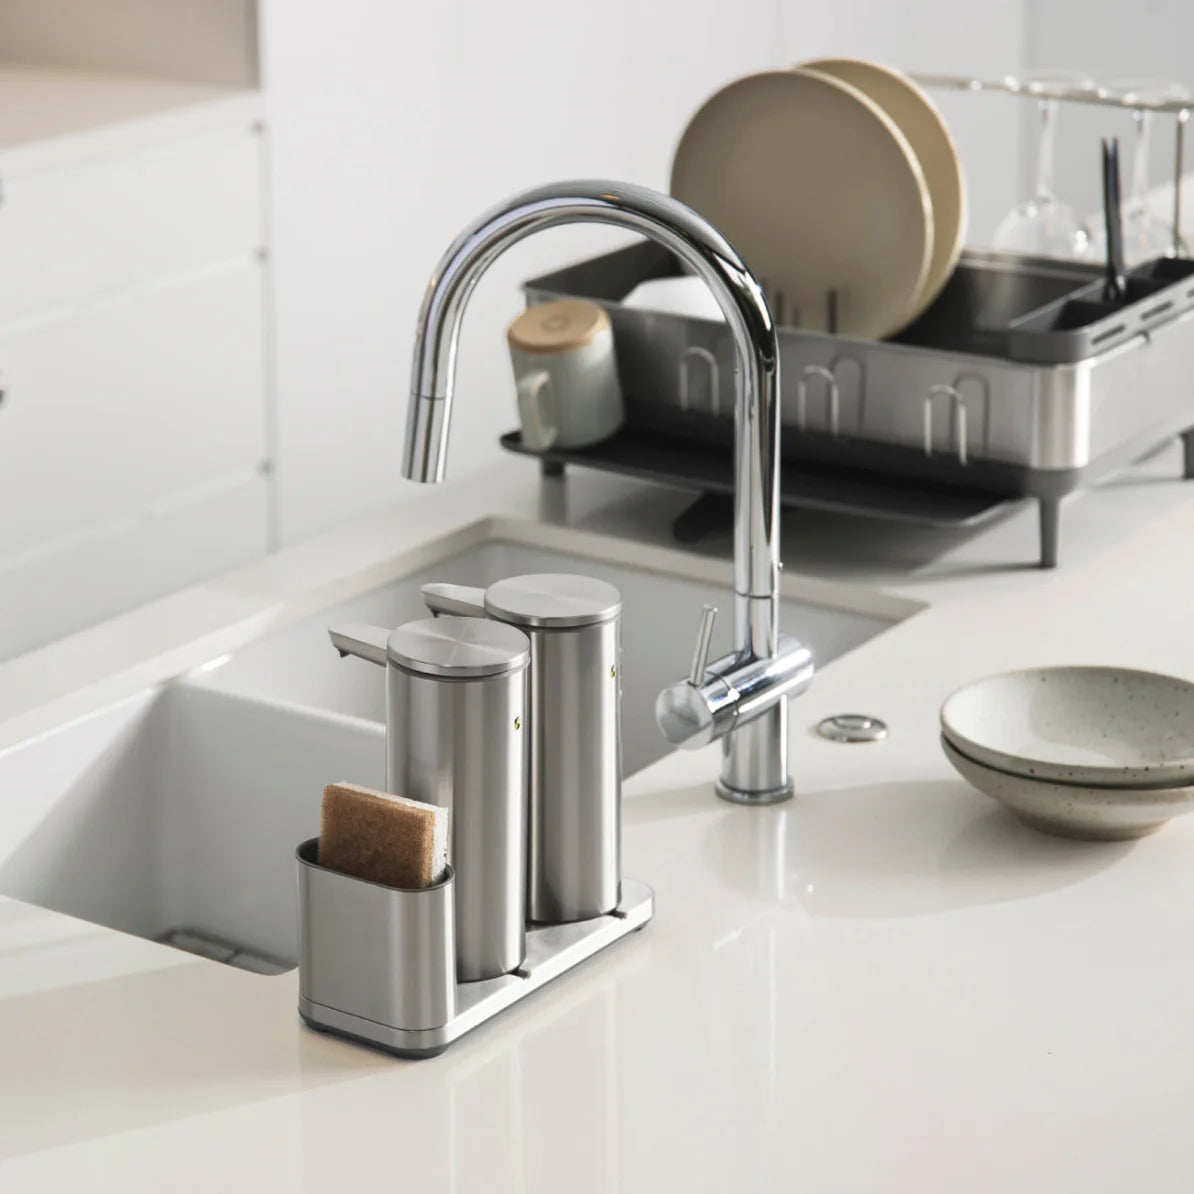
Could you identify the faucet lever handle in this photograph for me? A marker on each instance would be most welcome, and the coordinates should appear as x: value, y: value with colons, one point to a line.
x: 700, y: 658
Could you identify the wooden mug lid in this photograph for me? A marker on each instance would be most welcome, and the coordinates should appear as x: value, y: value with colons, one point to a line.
x: 559, y: 326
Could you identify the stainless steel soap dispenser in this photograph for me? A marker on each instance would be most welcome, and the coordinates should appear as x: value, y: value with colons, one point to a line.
x: 456, y: 711
x: 574, y: 860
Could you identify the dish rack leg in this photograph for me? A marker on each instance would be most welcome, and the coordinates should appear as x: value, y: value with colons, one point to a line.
x: 1188, y: 454
x: 551, y: 468
x: 1050, y: 510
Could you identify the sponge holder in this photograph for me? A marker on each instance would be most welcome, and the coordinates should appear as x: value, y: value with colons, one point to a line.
x: 377, y: 964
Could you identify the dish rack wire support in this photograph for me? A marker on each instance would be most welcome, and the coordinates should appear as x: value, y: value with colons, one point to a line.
x: 1097, y: 95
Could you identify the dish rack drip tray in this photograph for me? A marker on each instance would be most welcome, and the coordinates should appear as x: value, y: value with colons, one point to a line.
x: 691, y: 464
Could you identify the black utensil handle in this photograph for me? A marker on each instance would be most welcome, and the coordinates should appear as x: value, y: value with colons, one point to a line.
x: 1116, y: 284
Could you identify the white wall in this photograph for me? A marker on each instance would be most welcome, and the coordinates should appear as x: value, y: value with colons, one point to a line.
x: 392, y: 125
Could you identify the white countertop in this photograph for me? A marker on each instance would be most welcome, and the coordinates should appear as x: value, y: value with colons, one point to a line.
x: 886, y: 985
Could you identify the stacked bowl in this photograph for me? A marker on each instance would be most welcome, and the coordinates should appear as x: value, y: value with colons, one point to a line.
x: 1100, y: 753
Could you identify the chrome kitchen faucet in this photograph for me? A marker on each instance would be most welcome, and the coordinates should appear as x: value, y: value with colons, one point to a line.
x: 742, y: 697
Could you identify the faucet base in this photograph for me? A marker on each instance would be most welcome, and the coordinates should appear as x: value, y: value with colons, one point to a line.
x: 768, y: 796
x: 754, y: 762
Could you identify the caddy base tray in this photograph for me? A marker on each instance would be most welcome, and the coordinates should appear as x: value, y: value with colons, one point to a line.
x: 552, y: 950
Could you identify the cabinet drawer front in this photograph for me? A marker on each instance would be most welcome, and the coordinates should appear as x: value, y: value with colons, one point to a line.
x: 127, y: 403
x: 79, y: 582
x: 69, y: 236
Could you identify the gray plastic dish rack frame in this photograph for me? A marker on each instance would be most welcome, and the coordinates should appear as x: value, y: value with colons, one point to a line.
x: 1017, y: 382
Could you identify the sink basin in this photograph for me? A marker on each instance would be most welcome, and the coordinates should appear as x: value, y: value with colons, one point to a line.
x: 661, y: 607
x: 174, y: 816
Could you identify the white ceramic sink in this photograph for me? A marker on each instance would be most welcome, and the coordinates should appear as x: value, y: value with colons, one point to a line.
x: 661, y: 608
x: 174, y: 815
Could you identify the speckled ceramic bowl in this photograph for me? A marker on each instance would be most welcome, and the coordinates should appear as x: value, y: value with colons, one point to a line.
x: 1100, y: 726
x: 1075, y: 810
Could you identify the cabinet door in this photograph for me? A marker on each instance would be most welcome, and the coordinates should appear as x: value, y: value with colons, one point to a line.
x: 112, y: 567
x: 132, y: 440
x: 116, y: 407
x: 71, y: 236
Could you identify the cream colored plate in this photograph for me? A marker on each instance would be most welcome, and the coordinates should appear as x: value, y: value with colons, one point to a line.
x: 819, y: 191
x: 917, y: 117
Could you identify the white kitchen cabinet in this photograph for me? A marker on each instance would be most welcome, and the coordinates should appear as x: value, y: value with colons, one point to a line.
x: 134, y: 424
x: 125, y: 562
x: 71, y: 236
x: 116, y: 406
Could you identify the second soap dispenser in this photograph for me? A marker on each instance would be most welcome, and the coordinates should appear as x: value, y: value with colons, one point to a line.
x: 575, y: 720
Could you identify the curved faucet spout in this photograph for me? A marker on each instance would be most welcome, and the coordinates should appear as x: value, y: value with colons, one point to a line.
x: 708, y: 255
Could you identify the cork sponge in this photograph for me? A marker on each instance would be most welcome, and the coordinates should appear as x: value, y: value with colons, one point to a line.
x: 382, y: 838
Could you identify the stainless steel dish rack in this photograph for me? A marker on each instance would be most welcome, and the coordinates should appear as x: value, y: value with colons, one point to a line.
x: 1017, y: 382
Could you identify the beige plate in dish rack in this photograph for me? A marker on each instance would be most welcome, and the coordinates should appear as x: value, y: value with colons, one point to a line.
x: 917, y: 117
x: 819, y: 191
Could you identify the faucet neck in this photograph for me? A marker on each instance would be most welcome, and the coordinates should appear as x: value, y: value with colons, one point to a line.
x: 708, y: 255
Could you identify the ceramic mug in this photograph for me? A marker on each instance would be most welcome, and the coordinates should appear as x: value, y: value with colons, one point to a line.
x: 566, y: 372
